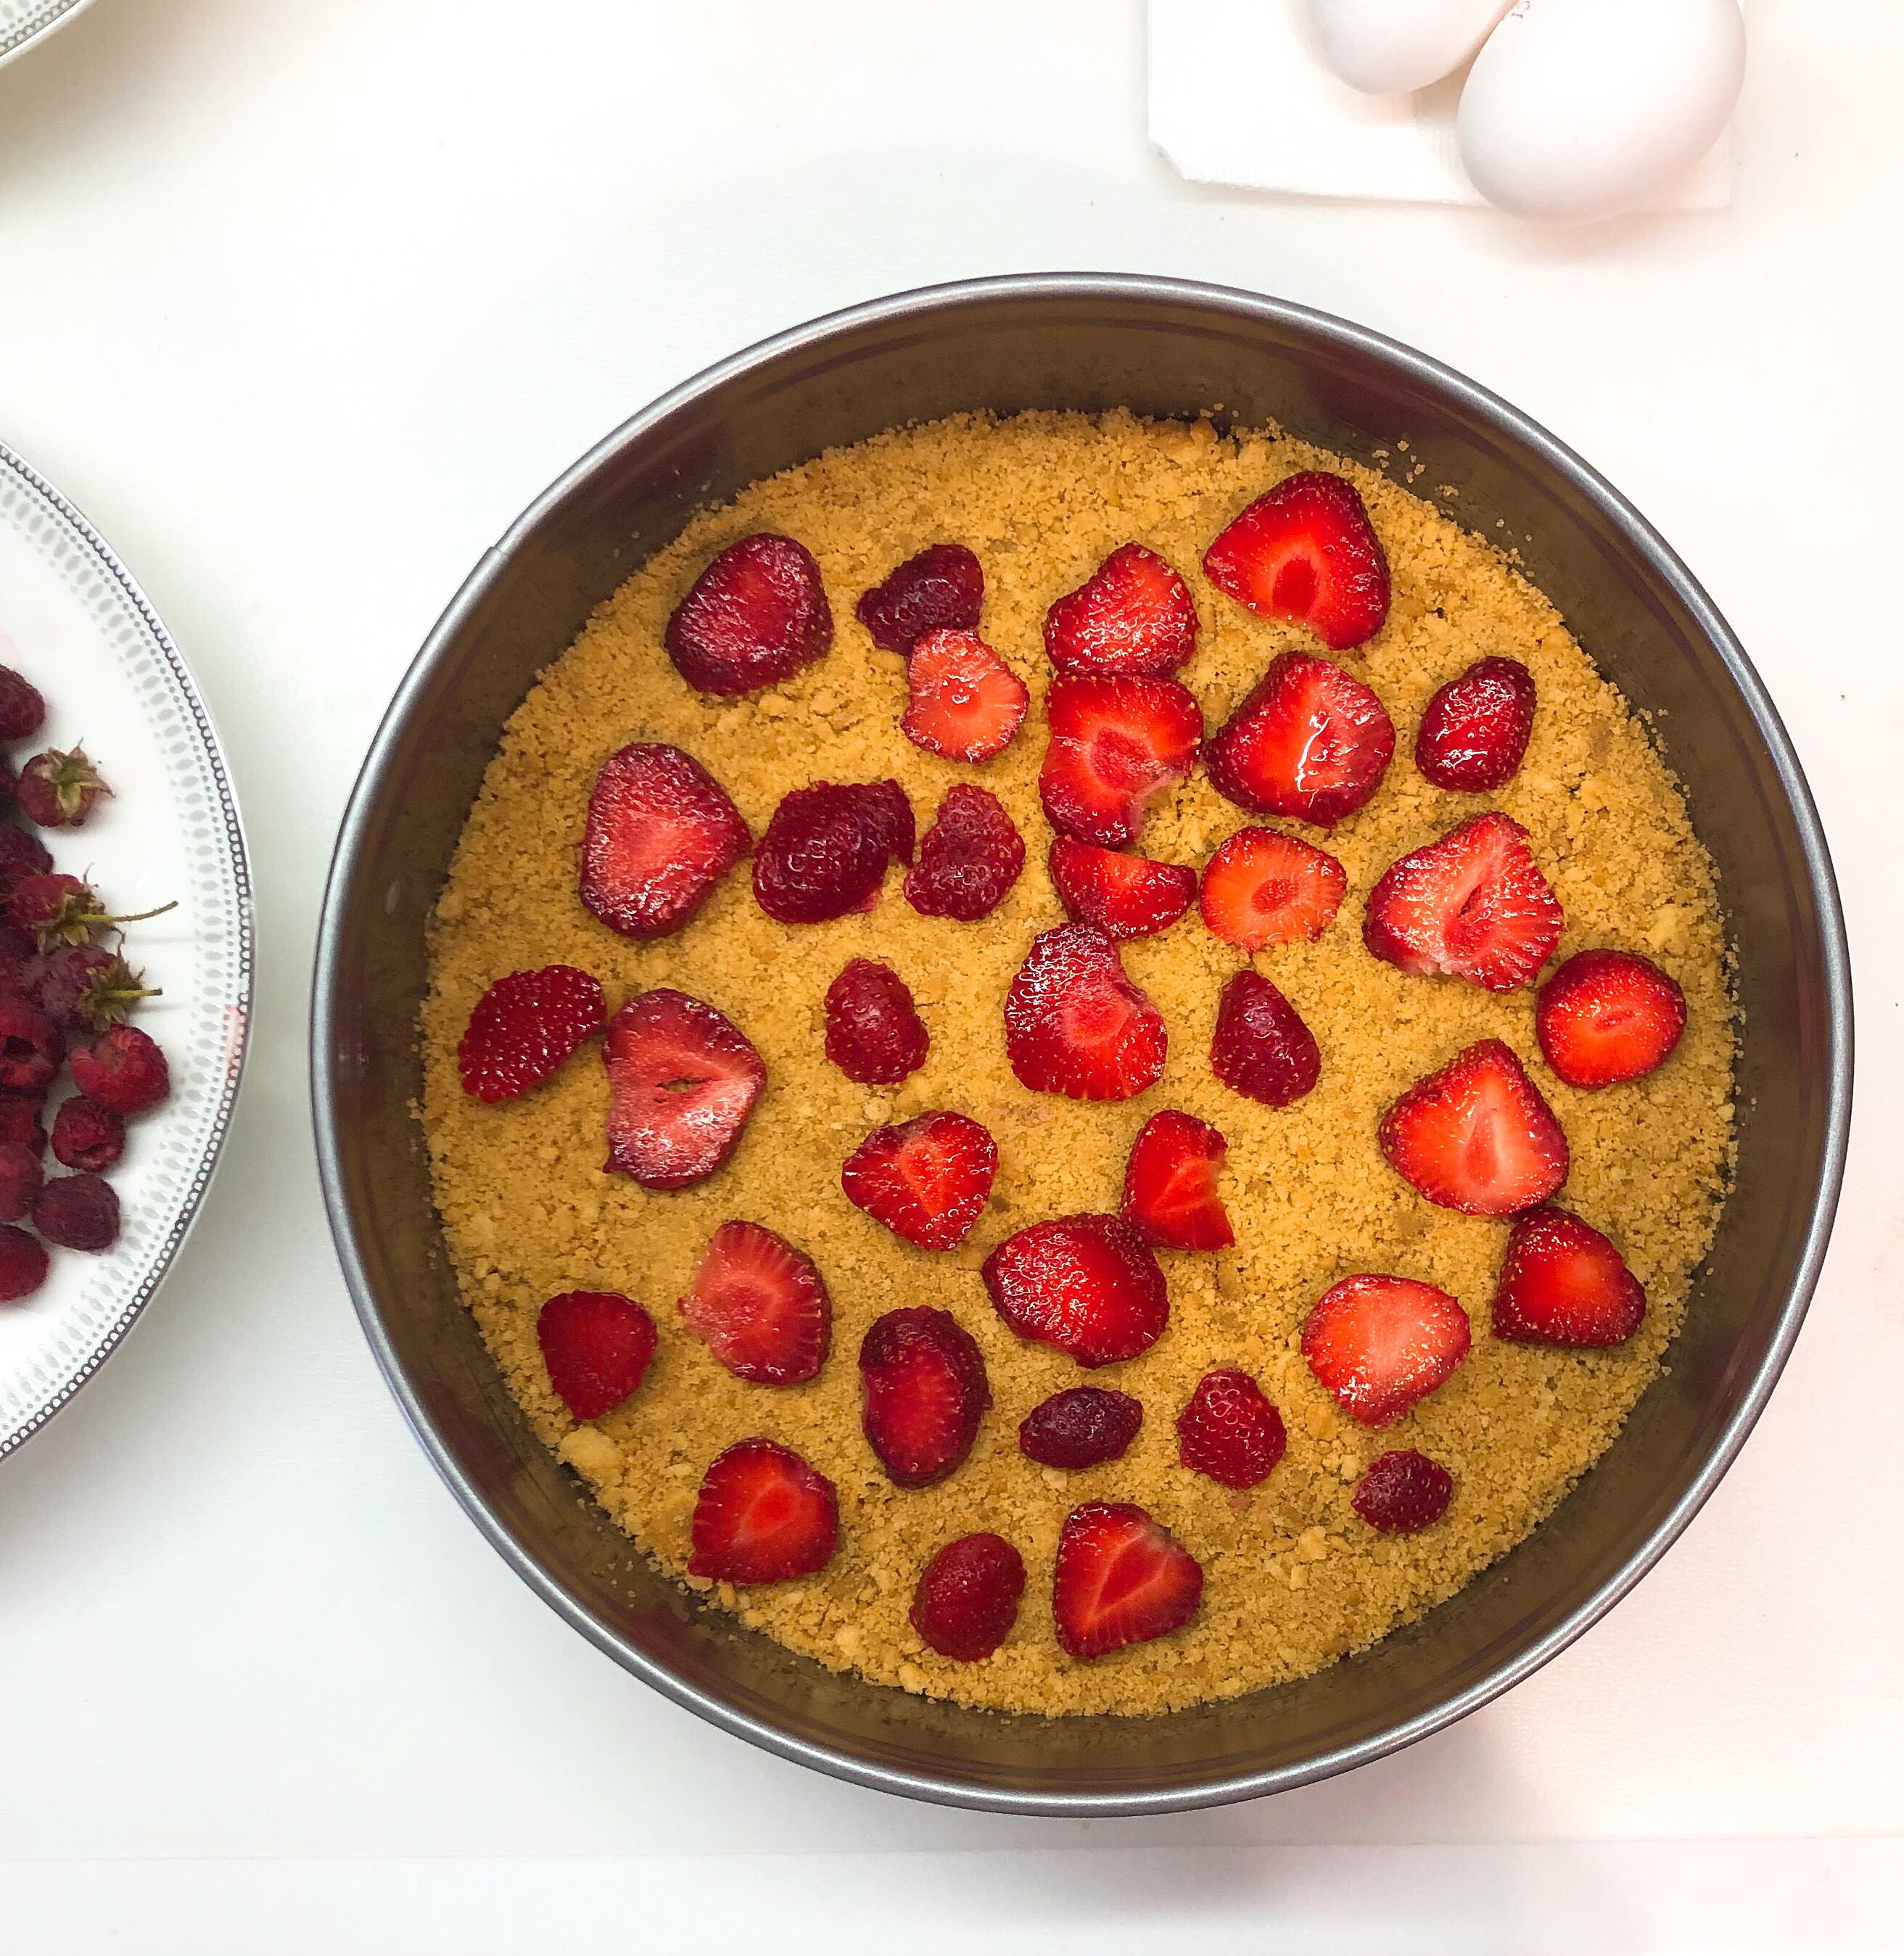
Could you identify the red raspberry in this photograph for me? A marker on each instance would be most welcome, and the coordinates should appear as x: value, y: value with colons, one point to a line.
x: 968, y: 859
x: 968, y: 1599
x: 20, y: 1180
x: 874, y: 1034
x: 77, y: 1212
x: 31, y: 1048
x: 1402, y: 1492
x: 23, y: 1262
x: 122, y: 1069
x: 87, y: 1136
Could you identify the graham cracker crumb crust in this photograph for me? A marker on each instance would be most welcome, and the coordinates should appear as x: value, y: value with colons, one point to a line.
x: 1294, y: 1579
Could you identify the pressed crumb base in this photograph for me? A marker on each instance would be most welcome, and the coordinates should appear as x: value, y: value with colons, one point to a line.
x: 1294, y: 1579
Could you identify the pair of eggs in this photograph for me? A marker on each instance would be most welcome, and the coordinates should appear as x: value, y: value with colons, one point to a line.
x: 1573, y: 109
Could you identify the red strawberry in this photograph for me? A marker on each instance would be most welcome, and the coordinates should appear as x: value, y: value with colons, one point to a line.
x: 1608, y: 1016
x: 966, y: 703
x: 598, y: 1345
x: 941, y: 588
x: 968, y: 1597
x: 1382, y: 1344
x: 1124, y: 895
x: 524, y: 1027
x: 1084, y: 1426
x: 1307, y: 553
x: 21, y: 1124
x: 874, y: 1033
x: 54, y: 908
x: 1477, y: 1136
x: 1075, y: 1024
x: 763, y: 1515
x: 31, y: 1048
x: 1229, y: 1431
x: 86, y: 1136
x: 683, y: 1079
x: 59, y: 790
x: 87, y: 988
x: 922, y: 1393
x: 1086, y: 1284
x: 22, y: 1178
x: 1474, y: 734
x: 1116, y: 744
x: 753, y: 618
x: 1262, y: 888
x: 1122, y: 1578
x: 1261, y: 1048
x: 1170, y: 1183
x: 1309, y: 742
x: 968, y: 859
x: 23, y: 1260
x: 759, y: 1306
x: 23, y: 712
x: 1402, y: 1492
x: 928, y: 1180
x: 1132, y: 618
x: 124, y: 1069
x: 20, y: 855
x: 78, y: 1212
x: 1564, y: 1283
x: 826, y: 848
x: 661, y: 832
x: 1473, y: 905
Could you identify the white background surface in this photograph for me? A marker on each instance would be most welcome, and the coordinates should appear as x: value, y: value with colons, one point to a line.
x: 301, y: 302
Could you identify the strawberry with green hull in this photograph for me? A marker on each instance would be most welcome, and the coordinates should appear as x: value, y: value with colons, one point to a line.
x: 1121, y: 1578
x: 762, y: 1514
x: 86, y: 987
x: 59, y: 790
x: 1132, y: 618
x: 54, y: 908
x: 1307, y: 554
x: 754, y: 617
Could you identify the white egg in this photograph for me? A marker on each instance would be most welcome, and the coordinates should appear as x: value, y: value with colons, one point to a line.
x: 1390, y: 47
x: 1578, y: 109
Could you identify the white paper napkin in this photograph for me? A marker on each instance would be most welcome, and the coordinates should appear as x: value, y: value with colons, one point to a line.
x: 1238, y: 95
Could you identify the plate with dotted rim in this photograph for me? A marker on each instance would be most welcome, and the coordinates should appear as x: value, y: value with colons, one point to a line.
x: 75, y: 623
x: 23, y: 22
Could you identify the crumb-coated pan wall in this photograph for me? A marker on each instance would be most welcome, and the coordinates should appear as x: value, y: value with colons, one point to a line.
x: 1163, y: 348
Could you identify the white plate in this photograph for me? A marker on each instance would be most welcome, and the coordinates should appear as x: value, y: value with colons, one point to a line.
x: 76, y: 625
x: 23, y: 22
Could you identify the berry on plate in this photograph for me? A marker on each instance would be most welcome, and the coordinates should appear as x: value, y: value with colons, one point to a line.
x: 966, y: 703
x: 1083, y: 1426
x: 1381, y: 1344
x: 1170, y: 1183
x: 23, y: 712
x: 524, y: 1028
x: 31, y: 1048
x: 1262, y: 888
x: 1307, y: 553
x: 1229, y: 1431
x: 763, y: 1515
x: 77, y: 1212
x: 826, y: 849
x: 59, y: 790
x: 86, y: 987
x: 753, y: 618
x: 1474, y: 735
x: 683, y: 1079
x: 1261, y: 1048
x: 1075, y: 1024
x: 21, y: 1179
x: 661, y: 832
x: 1606, y: 1016
x: 928, y: 1180
x: 1115, y: 745
x: 940, y: 588
x: 124, y: 1069
x: 1125, y: 896
x: 923, y: 1392
x: 1088, y: 1285
x: 1402, y: 1491
x: 87, y: 1136
x: 968, y: 1597
x: 874, y: 1033
x: 1132, y: 618
x: 1562, y: 1282
x: 597, y: 1346
x: 23, y: 1264
x: 21, y: 1122
x: 1121, y: 1578
x: 759, y: 1306
x: 968, y: 859
x: 21, y: 854
x: 1309, y: 742
x: 1476, y: 1135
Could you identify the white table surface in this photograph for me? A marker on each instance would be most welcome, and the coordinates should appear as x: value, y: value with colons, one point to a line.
x: 300, y: 302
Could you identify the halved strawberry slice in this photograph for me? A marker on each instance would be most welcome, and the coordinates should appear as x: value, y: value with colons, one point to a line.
x: 1116, y: 744
x: 1132, y: 618
x: 1606, y: 1016
x: 1474, y: 735
x: 759, y: 1306
x: 1564, y: 1283
x: 1477, y: 1136
x: 1170, y: 1183
x: 524, y: 1028
x: 753, y: 618
x: 927, y: 1180
x: 763, y: 1515
x: 1262, y: 887
x: 661, y: 832
x: 1229, y: 1431
x: 968, y: 1597
x: 597, y: 1346
x: 1473, y: 905
x: 1075, y: 1024
x: 1307, y: 553
x: 1086, y: 1284
x: 1125, y: 896
x: 1381, y: 1344
x: 1309, y: 742
x: 966, y: 703
x: 940, y: 588
x: 1261, y: 1048
x: 1121, y: 1578
x: 923, y: 1393
x: 683, y: 1079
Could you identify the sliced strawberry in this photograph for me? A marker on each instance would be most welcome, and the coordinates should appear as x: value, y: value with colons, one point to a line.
x: 874, y: 1033
x: 1306, y: 553
x: 1309, y: 742
x: 968, y: 859
x: 661, y: 832
x: 524, y: 1027
x: 1075, y: 1024
x: 753, y: 618
x: 923, y: 1392
x: 1116, y: 744
x: 1125, y: 896
x: 683, y: 1079
x: 1170, y: 1183
x: 1564, y: 1283
x: 1403, y: 1492
x: 1382, y: 1344
x: 941, y: 589
x: 1086, y: 1284
x: 826, y: 849
x: 1229, y: 1431
x: 597, y: 1346
x: 966, y: 703
x: 1121, y: 1578
x: 763, y: 1515
x: 967, y: 1597
x: 759, y: 1306
x: 1261, y: 1048
x: 1474, y: 735
x: 927, y: 1180
x: 1132, y: 618
x: 1262, y: 888
x: 1477, y: 1136
x: 1473, y: 905
x: 1084, y: 1426
x: 1608, y: 1016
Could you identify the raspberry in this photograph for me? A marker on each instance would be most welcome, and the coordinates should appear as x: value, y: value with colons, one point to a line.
x: 122, y: 1069
x: 87, y: 1136
x: 19, y: 1180
x: 77, y: 1212
x: 31, y: 1048
x: 23, y: 1262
